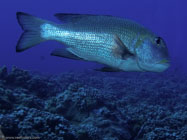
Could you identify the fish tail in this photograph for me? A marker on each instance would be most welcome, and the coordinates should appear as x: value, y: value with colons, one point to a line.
x: 31, y: 35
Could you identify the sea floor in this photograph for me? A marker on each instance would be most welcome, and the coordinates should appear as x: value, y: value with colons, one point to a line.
x: 93, y: 105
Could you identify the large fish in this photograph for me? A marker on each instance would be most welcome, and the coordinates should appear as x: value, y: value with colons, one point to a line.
x: 119, y: 44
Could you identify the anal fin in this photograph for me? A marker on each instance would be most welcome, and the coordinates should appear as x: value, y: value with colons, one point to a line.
x: 63, y: 52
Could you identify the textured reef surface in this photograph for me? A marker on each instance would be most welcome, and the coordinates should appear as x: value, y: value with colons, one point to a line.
x: 93, y: 105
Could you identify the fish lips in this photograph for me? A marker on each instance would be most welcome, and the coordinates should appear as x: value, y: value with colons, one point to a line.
x: 158, y: 67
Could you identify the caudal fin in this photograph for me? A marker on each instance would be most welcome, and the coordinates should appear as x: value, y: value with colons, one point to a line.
x: 31, y: 35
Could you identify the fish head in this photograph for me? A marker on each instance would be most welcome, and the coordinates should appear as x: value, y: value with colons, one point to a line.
x: 152, y: 54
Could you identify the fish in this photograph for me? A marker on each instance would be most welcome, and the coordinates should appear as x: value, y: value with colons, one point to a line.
x: 2, y: 137
x: 117, y: 43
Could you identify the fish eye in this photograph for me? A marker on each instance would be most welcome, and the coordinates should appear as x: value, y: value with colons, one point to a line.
x: 158, y: 40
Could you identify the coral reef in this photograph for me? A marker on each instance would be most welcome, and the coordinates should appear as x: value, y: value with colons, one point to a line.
x: 93, y: 105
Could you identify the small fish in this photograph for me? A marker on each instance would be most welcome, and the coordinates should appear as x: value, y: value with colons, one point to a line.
x: 120, y: 44
x: 2, y: 137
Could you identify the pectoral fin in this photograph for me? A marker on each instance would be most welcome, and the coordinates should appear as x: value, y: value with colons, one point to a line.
x: 120, y: 50
x: 63, y: 52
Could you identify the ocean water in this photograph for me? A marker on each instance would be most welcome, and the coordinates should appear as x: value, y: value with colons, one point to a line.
x: 51, y: 98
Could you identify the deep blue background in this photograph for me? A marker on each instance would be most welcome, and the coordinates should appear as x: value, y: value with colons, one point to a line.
x: 167, y: 18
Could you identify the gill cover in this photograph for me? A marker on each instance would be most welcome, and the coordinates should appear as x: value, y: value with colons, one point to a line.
x: 152, y: 55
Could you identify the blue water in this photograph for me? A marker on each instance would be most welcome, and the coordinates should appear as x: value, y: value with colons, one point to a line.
x: 166, y: 18
x: 50, y: 97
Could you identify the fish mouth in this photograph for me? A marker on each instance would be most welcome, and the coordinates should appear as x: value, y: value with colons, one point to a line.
x: 164, y: 61
x: 163, y: 67
x: 157, y: 67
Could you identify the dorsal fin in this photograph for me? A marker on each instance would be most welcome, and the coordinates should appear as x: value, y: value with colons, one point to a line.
x: 67, y: 17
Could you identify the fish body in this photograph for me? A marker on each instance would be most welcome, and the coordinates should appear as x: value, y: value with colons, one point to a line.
x: 118, y: 43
